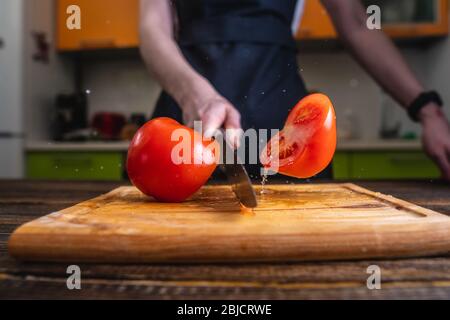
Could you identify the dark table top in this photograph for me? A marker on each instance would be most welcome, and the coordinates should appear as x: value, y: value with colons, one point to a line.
x: 22, y: 201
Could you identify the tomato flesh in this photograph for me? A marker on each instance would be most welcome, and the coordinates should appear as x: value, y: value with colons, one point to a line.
x: 151, y: 166
x: 307, y: 143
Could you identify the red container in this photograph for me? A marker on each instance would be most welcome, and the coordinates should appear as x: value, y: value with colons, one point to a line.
x: 108, y: 124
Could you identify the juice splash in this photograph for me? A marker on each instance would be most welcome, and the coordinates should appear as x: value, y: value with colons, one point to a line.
x: 264, y: 179
x: 246, y: 211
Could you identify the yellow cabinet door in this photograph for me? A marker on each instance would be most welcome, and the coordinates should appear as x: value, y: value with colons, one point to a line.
x: 104, y: 24
x: 316, y: 23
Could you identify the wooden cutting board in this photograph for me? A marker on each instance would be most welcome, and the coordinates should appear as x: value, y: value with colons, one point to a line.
x: 292, y: 222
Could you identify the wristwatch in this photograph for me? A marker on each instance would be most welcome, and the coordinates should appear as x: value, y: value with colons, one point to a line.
x: 421, y: 101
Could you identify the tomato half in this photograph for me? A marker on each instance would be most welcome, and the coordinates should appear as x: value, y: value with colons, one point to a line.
x: 307, y: 143
x: 169, y: 161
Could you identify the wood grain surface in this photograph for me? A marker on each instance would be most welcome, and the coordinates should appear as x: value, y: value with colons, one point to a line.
x: 291, y: 223
x: 23, y: 201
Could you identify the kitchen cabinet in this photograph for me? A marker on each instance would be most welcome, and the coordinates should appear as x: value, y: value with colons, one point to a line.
x: 114, y: 23
x: 106, y: 166
x: 104, y: 24
x: 400, y: 19
x: 377, y: 165
x: 315, y: 22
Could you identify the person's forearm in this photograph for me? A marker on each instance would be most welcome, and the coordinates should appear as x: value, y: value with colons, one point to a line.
x: 376, y: 53
x: 382, y: 60
x: 162, y: 54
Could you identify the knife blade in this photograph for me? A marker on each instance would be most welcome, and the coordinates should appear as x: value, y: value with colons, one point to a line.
x: 238, y: 178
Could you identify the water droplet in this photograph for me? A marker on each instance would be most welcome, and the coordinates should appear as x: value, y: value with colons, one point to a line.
x: 264, y: 182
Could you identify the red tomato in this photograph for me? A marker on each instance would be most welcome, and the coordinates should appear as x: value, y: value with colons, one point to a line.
x: 155, y: 164
x: 307, y: 143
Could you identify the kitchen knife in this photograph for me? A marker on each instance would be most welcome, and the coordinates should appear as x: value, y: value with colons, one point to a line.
x: 238, y: 178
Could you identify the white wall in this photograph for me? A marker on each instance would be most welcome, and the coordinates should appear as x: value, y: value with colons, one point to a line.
x: 11, y: 89
x: 121, y: 85
x: 43, y: 81
x: 11, y: 66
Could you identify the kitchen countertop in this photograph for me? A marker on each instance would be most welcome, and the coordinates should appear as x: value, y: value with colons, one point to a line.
x: 378, y: 144
x: 22, y: 201
x: 348, y: 145
x: 77, y: 146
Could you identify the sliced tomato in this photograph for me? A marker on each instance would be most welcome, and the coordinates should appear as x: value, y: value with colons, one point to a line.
x: 307, y: 143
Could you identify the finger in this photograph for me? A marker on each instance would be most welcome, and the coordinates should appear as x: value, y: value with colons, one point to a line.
x: 447, y: 174
x: 213, y: 120
x: 188, y: 120
x: 232, y: 126
x: 444, y: 164
x: 233, y: 119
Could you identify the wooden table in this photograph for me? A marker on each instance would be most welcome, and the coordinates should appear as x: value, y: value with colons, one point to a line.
x: 22, y: 201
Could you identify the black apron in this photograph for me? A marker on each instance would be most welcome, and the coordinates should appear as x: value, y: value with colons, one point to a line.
x: 246, y: 49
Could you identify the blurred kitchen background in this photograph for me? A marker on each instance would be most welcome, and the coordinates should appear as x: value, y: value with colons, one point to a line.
x: 71, y: 99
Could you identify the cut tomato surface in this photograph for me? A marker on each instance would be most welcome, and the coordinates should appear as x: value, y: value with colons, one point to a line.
x: 307, y: 143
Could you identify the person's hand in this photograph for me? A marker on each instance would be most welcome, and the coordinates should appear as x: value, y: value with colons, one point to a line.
x: 215, y: 112
x: 436, y: 137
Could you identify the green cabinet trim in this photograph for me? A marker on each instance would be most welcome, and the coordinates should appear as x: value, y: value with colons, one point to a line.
x: 341, y: 166
x: 373, y: 165
x: 107, y: 166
